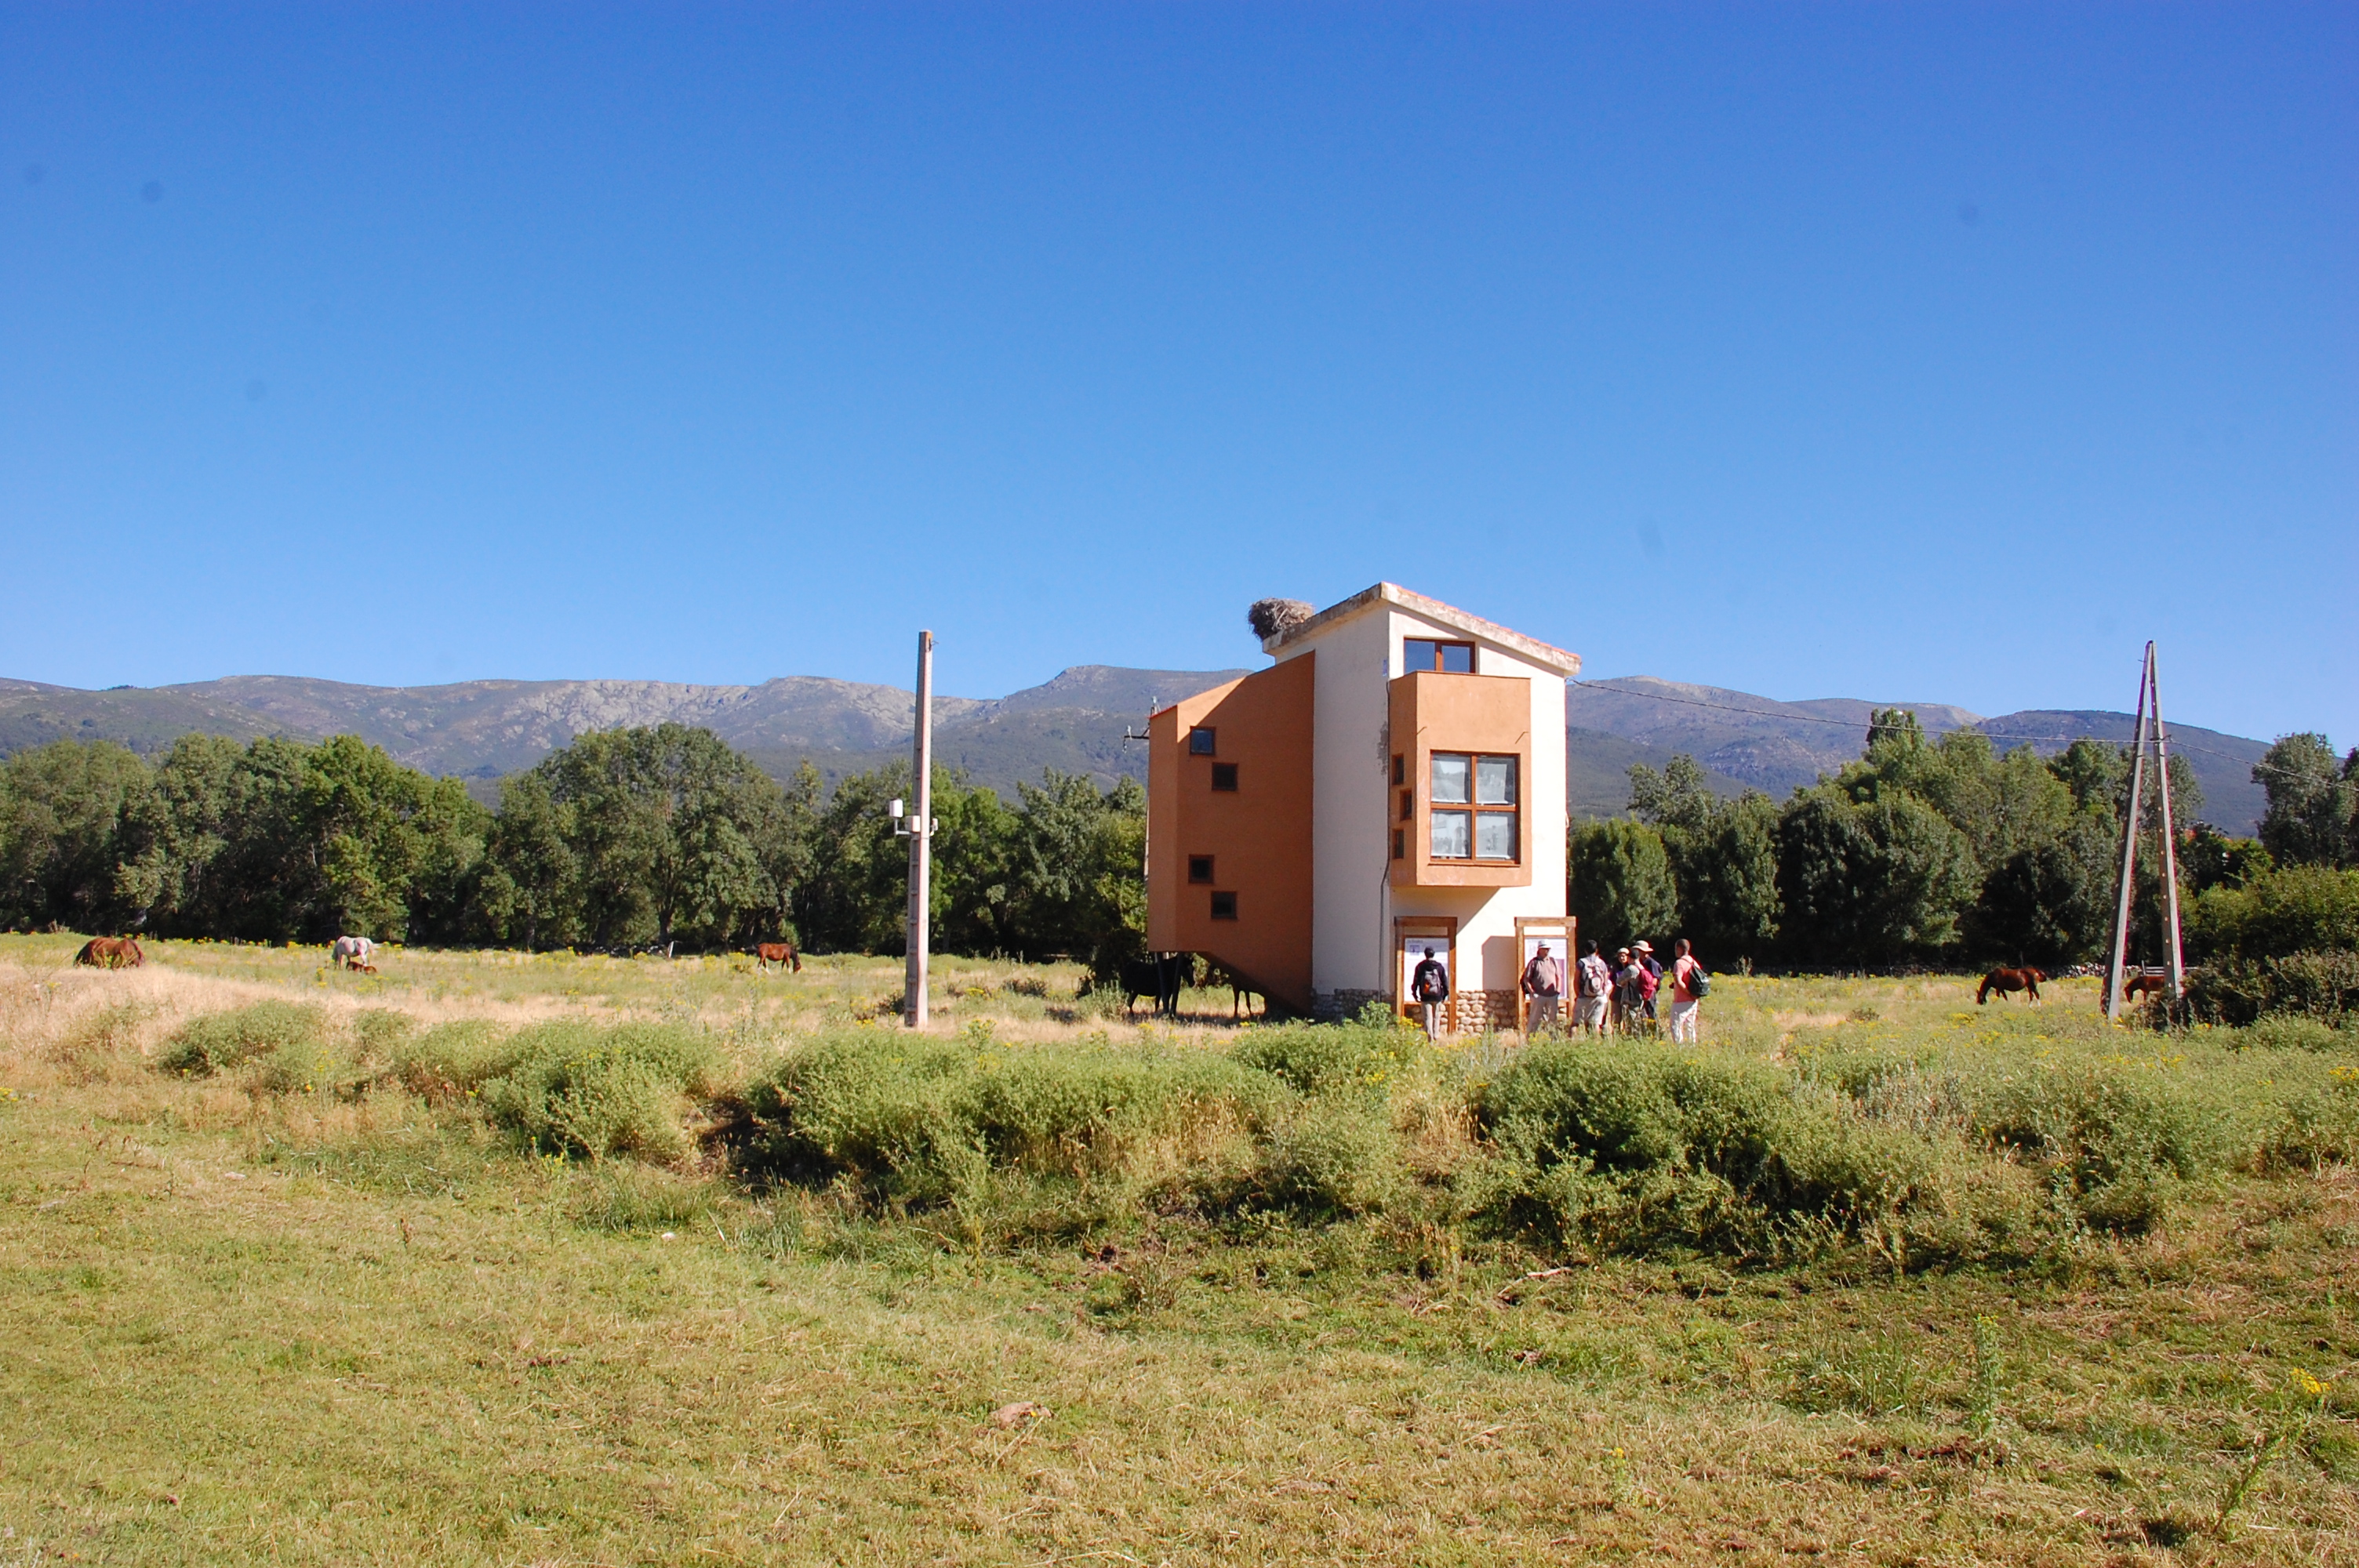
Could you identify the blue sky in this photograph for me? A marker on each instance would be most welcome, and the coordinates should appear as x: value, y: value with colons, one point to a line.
x: 1925, y: 352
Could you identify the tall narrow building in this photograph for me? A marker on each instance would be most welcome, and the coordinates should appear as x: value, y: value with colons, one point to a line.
x: 1394, y: 782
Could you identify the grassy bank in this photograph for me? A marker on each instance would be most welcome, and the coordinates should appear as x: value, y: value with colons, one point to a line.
x: 587, y: 1260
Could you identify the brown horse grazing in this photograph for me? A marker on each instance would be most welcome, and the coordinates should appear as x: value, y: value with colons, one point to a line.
x: 782, y: 954
x: 111, y: 953
x: 2142, y: 984
x: 2007, y: 981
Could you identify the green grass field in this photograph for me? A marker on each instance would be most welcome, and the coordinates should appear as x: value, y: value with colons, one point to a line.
x: 269, y: 1314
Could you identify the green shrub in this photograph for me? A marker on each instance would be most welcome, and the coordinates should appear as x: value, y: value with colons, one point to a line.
x: 2319, y: 1123
x: 576, y: 1089
x: 1336, y: 1155
x: 1638, y: 1146
x: 920, y: 1121
x: 220, y: 1041
x: 379, y: 1031
x: 2297, y: 910
x: 2322, y: 984
x: 1321, y: 1058
x: 2112, y: 1137
x: 2291, y: 1032
x: 451, y: 1061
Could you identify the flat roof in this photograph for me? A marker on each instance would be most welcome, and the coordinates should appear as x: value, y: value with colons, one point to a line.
x: 1450, y: 615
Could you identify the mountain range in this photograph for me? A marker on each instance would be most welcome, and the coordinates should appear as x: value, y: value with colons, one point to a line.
x: 480, y: 730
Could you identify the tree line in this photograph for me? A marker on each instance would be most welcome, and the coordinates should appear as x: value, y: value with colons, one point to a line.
x: 1923, y: 851
x: 1927, y: 851
x: 662, y: 837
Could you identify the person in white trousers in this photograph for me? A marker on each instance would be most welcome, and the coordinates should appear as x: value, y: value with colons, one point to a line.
x: 1686, y: 1023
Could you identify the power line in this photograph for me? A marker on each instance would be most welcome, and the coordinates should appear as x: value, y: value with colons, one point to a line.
x: 1871, y: 726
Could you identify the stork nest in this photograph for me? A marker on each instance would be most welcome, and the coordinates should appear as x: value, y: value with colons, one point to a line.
x: 1275, y: 617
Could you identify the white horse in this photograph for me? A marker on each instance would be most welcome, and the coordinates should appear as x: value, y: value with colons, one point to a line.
x: 352, y: 952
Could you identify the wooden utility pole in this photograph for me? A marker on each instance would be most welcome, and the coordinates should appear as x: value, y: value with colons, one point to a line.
x: 921, y: 842
x: 2150, y: 736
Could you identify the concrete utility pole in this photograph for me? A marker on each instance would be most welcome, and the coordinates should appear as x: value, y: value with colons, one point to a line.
x: 921, y: 842
x: 2129, y: 856
x: 2169, y: 831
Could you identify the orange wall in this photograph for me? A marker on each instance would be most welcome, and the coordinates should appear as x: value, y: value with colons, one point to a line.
x: 1435, y: 712
x: 1260, y: 837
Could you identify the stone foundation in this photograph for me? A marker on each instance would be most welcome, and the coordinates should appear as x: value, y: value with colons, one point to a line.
x: 1470, y: 1012
x: 1479, y: 1011
x: 1341, y: 1006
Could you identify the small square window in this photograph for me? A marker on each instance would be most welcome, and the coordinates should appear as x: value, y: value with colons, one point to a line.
x: 1225, y: 907
x: 1201, y: 742
x: 1224, y: 775
x: 1200, y: 867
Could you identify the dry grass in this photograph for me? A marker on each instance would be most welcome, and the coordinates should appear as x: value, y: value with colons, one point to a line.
x: 240, y: 1328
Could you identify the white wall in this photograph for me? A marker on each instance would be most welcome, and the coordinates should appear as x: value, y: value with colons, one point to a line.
x: 1349, y: 849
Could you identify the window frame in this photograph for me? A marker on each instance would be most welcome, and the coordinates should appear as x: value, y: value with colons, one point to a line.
x: 1205, y: 862
x: 1473, y: 809
x: 1440, y: 665
x: 1211, y: 736
x: 1224, y: 778
x: 1224, y: 904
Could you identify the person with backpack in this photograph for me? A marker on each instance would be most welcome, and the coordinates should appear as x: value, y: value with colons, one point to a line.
x: 1596, y: 990
x: 1689, y: 984
x: 1632, y: 989
x: 1644, y: 953
x: 1429, y: 983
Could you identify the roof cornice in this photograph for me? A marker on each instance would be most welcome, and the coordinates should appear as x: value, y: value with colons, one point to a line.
x: 1433, y: 609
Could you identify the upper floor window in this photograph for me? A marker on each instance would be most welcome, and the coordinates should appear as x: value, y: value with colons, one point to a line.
x: 1475, y: 803
x: 1200, y: 867
x: 1425, y: 653
x: 1224, y: 775
x: 1200, y: 741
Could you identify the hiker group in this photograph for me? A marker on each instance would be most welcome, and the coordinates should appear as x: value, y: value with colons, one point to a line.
x: 1623, y: 996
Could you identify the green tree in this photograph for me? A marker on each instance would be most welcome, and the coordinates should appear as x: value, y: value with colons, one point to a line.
x: 1676, y: 797
x: 1869, y: 885
x: 1724, y: 858
x: 531, y: 891
x: 62, y: 811
x: 1079, y: 869
x: 1620, y: 884
x: 2310, y: 820
x: 2210, y: 859
x: 666, y: 825
x: 277, y: 840
x: 1727, y: 879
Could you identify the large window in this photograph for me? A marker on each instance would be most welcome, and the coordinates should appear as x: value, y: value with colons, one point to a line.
x: 1475, y: 800
x: 1425, y: 653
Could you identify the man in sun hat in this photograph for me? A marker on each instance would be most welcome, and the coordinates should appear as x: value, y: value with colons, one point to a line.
x: 1544, y: 983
